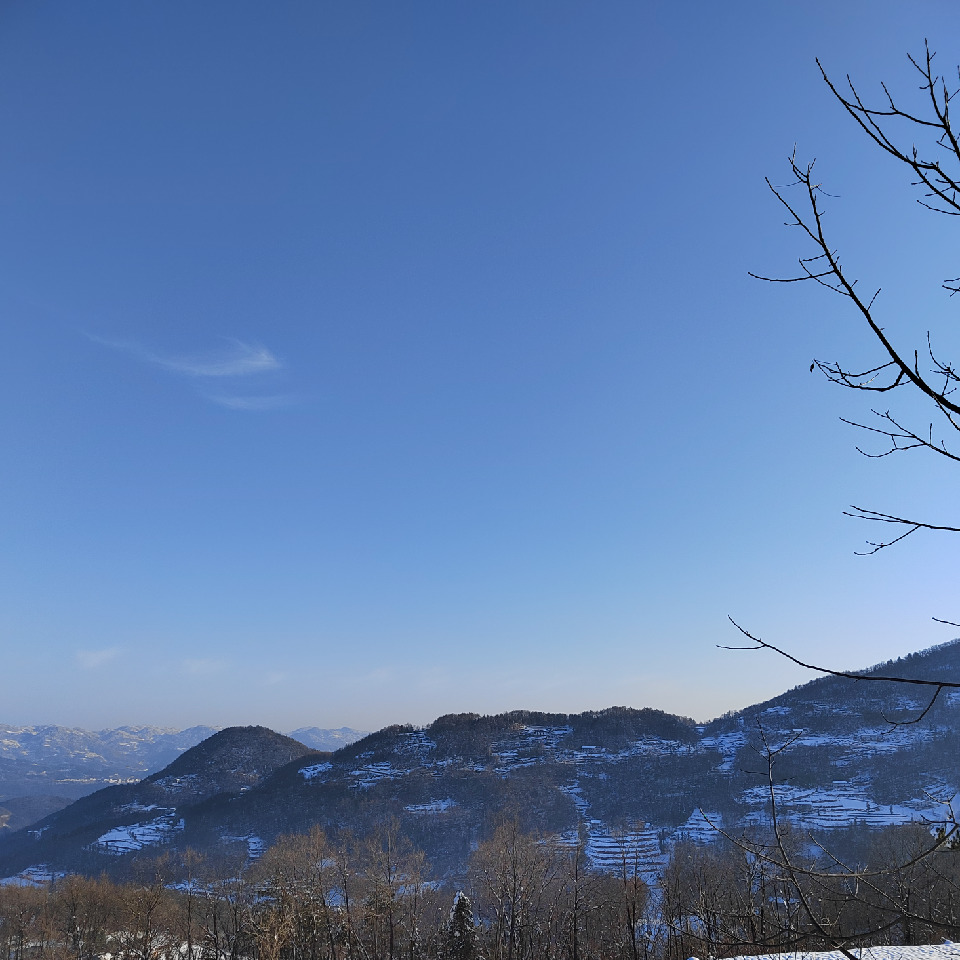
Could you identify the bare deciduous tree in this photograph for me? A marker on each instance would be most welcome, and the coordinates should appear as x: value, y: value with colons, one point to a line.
x: 916, y: 376
x: 932, y: 160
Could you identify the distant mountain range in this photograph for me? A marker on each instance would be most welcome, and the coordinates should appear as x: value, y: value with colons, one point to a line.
x: 318, y: 739
x: 44, y: 768
x: 614, y: 776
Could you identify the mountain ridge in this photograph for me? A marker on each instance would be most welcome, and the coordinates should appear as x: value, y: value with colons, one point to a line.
x: 597, y: 776
x: 49, y: 760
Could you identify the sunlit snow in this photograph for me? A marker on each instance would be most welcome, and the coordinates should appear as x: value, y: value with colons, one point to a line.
x: 136, y: 836
x: 943, y: 951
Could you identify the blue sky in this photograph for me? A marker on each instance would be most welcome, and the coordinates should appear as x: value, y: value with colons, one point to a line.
x: 369, y: 362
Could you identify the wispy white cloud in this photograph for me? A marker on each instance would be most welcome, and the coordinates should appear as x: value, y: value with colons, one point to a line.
x: 239, y: 359
x: 273, y: 402
x: 235, y: 359
x: 91, y: 659
x: 233, y: 362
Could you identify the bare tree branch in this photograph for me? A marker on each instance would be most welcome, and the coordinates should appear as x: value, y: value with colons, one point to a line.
x: 760, y: 644
x: 861, y: 513
x: 934, y: 167
x: 921, y: 139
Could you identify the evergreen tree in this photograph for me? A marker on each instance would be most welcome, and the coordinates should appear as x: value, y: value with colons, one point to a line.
x: 461, y: 939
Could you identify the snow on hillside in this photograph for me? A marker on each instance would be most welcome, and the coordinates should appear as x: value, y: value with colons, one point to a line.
x: 315, y: 770
x: 838, y: 806
x: 622, y: 782
x: 835, y: 803
x: 136, y: 836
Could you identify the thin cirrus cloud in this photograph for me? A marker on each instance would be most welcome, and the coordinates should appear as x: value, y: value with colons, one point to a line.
x: 235, y: 361
x: 239, y: 360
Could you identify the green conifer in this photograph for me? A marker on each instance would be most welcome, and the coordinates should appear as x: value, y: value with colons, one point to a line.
x: 461, y: 939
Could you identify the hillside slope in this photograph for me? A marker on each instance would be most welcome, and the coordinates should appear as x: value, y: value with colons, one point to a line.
x: 617, y: 776
x: 70, y: 762
x: 124, y: 819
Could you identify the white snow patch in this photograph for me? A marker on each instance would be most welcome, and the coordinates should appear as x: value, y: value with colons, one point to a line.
x: 635, y: 850
x: 700, y: 827
x: 434, y: 806
x: 315, y: 771
x: 39, y: 875
x: 727, y: 745
x: 824, y: 808
x: 575, y: 792
x: 372, y: 773
x: 136, y: 836
x: 942, y: 951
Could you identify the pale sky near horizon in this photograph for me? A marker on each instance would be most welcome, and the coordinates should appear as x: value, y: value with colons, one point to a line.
x: 368, y: 362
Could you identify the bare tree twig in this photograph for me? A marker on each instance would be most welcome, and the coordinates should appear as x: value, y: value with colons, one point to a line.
x: 861, y: 513
x: 760, y: 644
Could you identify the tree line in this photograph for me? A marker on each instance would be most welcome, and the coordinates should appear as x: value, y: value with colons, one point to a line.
x: 316, y: 896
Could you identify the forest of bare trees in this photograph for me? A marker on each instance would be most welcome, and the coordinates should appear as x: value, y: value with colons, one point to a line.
x: 319, y: 897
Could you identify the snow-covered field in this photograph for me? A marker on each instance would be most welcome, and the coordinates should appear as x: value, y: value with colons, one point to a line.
x: 943, y: 951
x: 843, y: 804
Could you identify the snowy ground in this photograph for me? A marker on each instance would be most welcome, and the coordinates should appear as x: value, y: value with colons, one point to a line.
x: 845, y: 803
x: 943, y: 951
x: 37, y: 876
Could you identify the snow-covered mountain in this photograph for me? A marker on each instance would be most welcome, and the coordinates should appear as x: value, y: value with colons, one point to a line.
x: 319, y: 739
x: 67, y: 762
x: 632, y: 782
x: 70, y: 762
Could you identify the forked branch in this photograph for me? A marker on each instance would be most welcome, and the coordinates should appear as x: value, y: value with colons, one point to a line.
x: 912, y: 526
